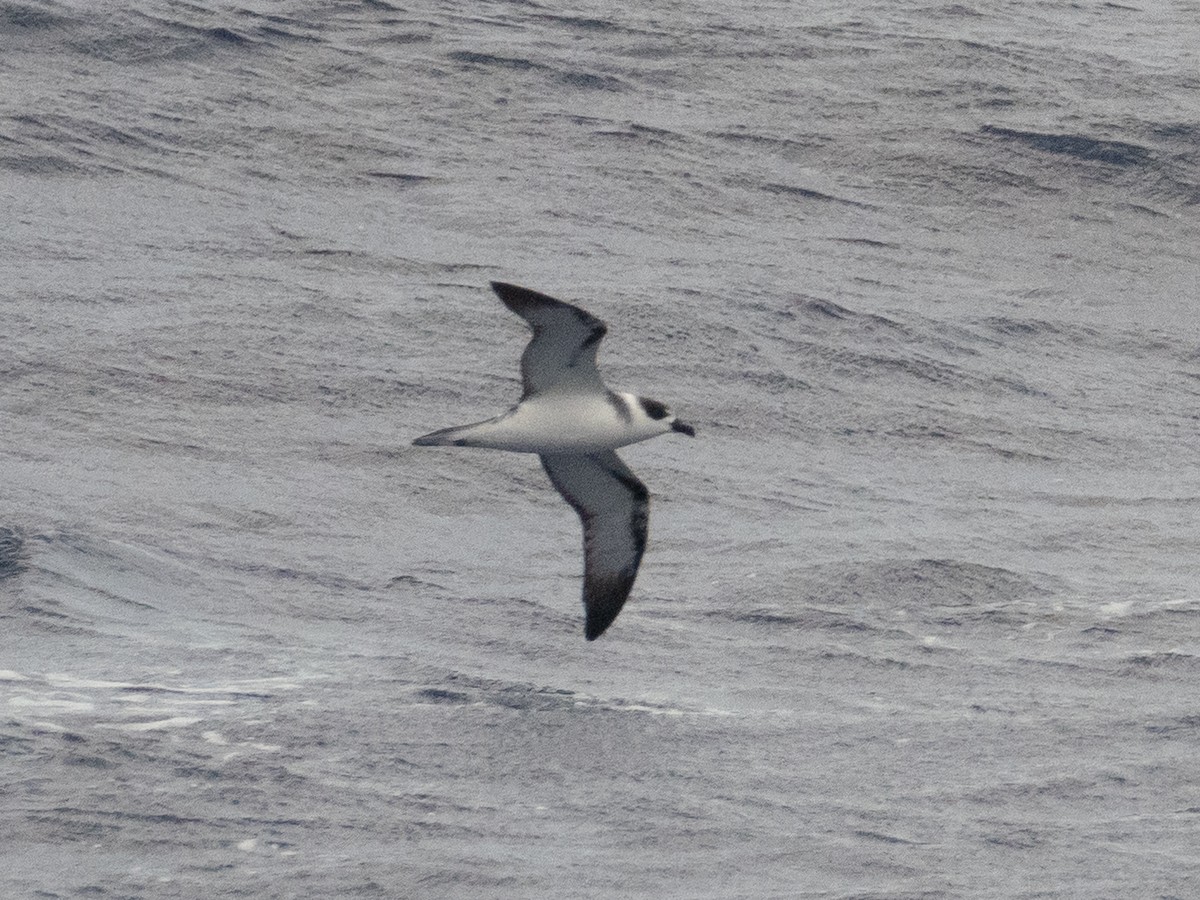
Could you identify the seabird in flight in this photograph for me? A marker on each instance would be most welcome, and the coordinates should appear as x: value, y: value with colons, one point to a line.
x: 573, y: 422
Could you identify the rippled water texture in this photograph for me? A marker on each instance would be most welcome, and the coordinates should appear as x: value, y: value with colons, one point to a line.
x: 919, y: 615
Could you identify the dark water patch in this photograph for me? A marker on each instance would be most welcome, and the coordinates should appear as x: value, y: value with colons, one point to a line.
x: 137, y: 38
x: 762, y: 309
x: 12, y: 553
x: 1179, y: 182
x: 274, y: 33
x: 1185, y: 724
x: 520, y: 696
x: 803, y: 193
x: 1011, y: 453
x: 921, y: 369
x: 810, y: 619
x: 1010, y: 327
x: 401, y: 177
x: 70, y: 826
x: 43, y: 613
x: 765, y: 141
x: 826, y: 308
x: 1016, y: 386
x: 1116, y: 153
x: 329, y: 251
x: 27, y: 16
x: 195, y: 772
x: 1052, y: 787
x: 278, y: 27
x: 1016, y: 839
x: 90, y: 762
x: 41, y: 164
x: 181, y: 448
x: 440, y: 695
x: 155, y: 690
x: 227, y: 36
x: 591, y: 81
x: 923, y: 431
x: 872, y: 661
x: 1142, y: 210
x: 664, y: 133
x: 117, y: 816
x: 53, y: 144
x: 460, y: 689
x: 775, y: 382
x: 866, y: 242
x: 1162, y: 662
x: 1187, y: 132
x: 1073, y: 337
x: 822, y: 308
x: 583, y: 23
x: 887, y: 838
x: 651, y: 137
x: 14, y: 745
x: 473, y: 58
x: 991, y: 177
x: 413, y: 582
x: 403, y: 38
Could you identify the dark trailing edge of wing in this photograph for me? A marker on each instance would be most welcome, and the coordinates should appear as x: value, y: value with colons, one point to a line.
x: 528, y: 304
x: 518, y: 299
x: 607, y: 597
x: 603, y: 598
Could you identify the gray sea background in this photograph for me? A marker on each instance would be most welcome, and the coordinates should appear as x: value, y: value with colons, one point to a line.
x: 920, y: 613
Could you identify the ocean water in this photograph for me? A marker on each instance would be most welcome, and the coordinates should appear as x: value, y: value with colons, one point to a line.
x: 919, y: 616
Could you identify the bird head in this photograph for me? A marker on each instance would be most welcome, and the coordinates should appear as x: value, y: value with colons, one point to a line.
x: 661, y: 413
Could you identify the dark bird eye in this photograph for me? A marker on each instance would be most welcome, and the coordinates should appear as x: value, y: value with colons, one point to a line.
x: 653, y: 408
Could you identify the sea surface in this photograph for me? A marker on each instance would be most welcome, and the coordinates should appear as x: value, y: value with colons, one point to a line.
x: 920, y: 613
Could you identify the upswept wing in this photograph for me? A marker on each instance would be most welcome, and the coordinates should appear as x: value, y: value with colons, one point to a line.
x: 562, y: 354
x: 614, y: 507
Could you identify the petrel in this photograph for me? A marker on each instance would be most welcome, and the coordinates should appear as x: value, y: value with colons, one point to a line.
x: 574, y: 423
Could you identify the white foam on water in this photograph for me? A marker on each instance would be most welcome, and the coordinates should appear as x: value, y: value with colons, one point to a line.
x: 159, y: 725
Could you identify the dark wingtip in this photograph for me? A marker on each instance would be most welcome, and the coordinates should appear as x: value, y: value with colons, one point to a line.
x: 603, y: 609
x: 509, y: 293
x: 683, y: 428
x: 517, y: 298
x: 593, y: 629
x: 514, y: 293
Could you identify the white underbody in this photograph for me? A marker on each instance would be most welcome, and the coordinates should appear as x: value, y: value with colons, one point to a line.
x: 566, y: 422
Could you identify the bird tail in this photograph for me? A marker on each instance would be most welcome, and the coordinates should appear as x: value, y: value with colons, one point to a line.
x: 444, y: 437
x: 475, y: 434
